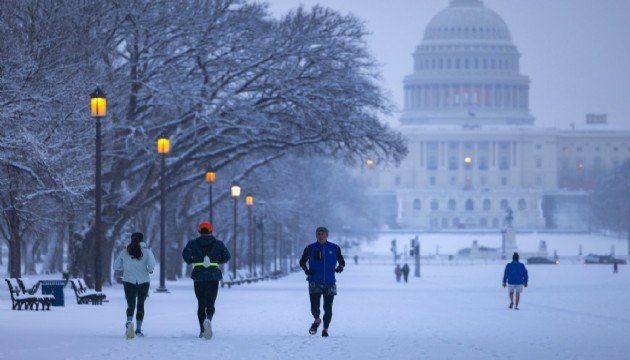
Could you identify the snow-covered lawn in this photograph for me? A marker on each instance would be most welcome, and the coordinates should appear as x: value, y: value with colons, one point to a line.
x: 569, y: 311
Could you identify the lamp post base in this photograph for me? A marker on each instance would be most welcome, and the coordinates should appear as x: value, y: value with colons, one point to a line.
x: 162, y: 290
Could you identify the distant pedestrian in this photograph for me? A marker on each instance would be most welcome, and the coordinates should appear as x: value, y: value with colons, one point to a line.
x: 615, y: 269
x: 322, y: 257
x: 398, y: 272
x: 206, y: 253
x: 136, y: 262
x: 356, y: 259
x: 405, y: 271
x: 515, y: 275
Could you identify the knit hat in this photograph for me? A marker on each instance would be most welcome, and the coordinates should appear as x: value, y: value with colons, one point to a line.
x: 515, y: 256
x: 204, y: 226
x: 322, y: 229
x: 137, y: 235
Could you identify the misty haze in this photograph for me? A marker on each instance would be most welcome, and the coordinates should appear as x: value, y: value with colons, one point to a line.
x: 452, y: 173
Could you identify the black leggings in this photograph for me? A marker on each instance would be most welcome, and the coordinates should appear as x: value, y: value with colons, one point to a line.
x: 328, y: 302
x: 206, y: 292
x: 133, y: 292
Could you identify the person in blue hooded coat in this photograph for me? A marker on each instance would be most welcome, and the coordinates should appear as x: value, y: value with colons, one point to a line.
x: 205, y: 253
x: 324, y: 260
x: 515, y: 277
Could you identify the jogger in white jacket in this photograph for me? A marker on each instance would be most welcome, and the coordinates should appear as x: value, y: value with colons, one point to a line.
x: 136, y: 262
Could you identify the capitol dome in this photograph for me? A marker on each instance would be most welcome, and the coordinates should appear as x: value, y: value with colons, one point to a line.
x: 466, y: 71
x: 467, y: 19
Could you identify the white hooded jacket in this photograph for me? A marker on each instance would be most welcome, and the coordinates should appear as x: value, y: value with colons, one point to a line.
x: 135, y: 271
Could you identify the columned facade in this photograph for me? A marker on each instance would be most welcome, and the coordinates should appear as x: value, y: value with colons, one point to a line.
x: 474, y: 151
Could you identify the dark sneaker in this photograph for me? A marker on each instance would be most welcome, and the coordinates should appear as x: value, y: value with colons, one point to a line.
x: 201, y: 334
x: 314, y: 326
x: 139, y: 333
x: 324, y: 333
x: 516, y: 308
x: 511, y: 305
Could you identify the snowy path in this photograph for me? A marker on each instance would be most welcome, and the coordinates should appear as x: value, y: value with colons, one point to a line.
x: 452, y: 312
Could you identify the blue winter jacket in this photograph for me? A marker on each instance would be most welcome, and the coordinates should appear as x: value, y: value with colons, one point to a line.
x: 515, y: 273
x: 323, y: 259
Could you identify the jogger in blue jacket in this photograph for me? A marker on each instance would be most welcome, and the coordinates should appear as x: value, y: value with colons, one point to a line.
x: 322, y: 257
x: 515, y: 275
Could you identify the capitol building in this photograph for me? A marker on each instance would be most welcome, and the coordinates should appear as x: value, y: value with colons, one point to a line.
x: 475, y: 151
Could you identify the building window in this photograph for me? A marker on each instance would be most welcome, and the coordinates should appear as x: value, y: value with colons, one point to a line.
x: 451, y: 204
x: 453, y: 180
x: 579, y: 148
x: 504, y: 163
x: 504, y: 204
x: 504, y: 180
x: 538, y: 147
x: 452, y: 163
x: 495, y: 223
x: 470, y: 205
x: 539, y: 162
x: 432, y: 180
x: 444, y: 223
x: 435, y: 205
x: 483, y: 163
x: 417, y: 205
x: 483, y: 223
x: 432, y: 162
x: 397, y: 180
x: 522, y: 205
x: 487, y: 205
x: 615, y: 148
x: 538, y: 180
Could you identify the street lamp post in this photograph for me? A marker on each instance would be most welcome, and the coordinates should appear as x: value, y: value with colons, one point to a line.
x: 261, y: 224
x: 235, y: 191
x: 163, y: 148
x: 249, y: 201
x: 210, y: 176
x: 98, y: 109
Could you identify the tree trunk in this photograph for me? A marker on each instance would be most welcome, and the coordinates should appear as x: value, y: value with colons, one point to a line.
x: 29, y: 258
x: 15, y: 243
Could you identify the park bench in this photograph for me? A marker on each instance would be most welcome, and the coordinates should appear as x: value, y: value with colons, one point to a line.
x: 86, y: 295
x: 44, y: 299
x: 243, y: 277
x: 230, y: 281
x: 19, y: 299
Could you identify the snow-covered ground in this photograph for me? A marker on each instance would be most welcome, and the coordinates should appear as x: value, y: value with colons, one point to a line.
x: 569, y: 311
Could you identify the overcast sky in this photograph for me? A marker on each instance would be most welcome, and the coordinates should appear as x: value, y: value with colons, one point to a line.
x: 575, y: 52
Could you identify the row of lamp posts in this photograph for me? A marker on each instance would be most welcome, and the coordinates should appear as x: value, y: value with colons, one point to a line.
x: 98, y: 110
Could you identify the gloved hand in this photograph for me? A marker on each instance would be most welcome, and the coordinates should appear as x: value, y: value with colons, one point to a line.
x: 339, y: 269
x: 504, y: 285
x: 525, y: 284
x: 309, y: 272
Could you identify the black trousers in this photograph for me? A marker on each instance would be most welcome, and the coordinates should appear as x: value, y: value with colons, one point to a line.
x: 315, y: 304
x: 133, y: 293
x: 206, y: 292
